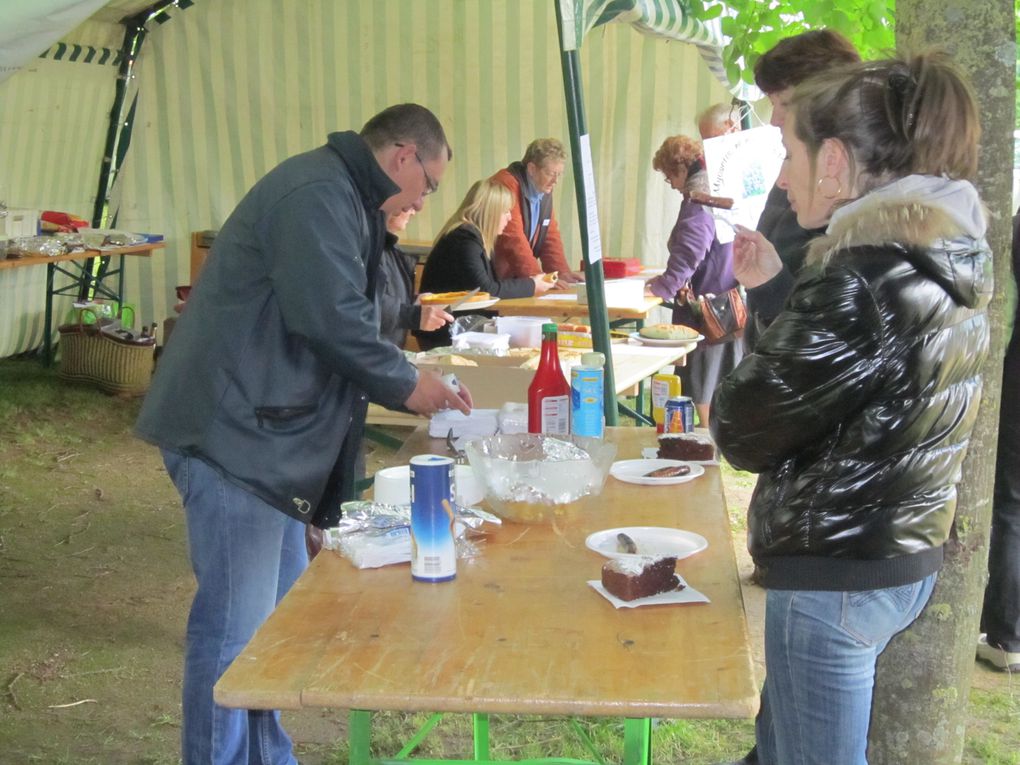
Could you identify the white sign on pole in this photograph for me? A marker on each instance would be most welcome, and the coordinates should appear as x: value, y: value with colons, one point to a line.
x: 591, y: 213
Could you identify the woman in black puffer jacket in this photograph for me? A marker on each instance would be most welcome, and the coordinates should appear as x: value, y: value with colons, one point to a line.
x: 857, y: 405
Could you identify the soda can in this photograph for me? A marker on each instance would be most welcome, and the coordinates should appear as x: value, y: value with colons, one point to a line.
x: 433, y: 552
x: 679, y: 417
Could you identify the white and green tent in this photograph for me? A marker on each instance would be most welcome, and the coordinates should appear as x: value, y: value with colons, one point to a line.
x: 222, y: 90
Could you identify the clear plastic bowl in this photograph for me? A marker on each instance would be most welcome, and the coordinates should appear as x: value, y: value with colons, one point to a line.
x: 529, y: 478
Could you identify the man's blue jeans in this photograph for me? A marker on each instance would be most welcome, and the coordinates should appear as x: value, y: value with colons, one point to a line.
x: 820, y: 654
x: 245, y: 555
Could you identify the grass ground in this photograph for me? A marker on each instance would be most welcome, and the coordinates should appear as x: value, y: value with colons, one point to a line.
x: 95, y: 587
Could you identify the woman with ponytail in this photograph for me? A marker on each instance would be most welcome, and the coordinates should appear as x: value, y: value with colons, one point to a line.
x: 857, y: 405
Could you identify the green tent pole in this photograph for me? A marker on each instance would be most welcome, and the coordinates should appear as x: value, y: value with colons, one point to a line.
x: 594, y: 276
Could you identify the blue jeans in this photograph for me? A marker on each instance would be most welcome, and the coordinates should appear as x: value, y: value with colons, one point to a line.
x: 245, y: 555
x: 820, y: 654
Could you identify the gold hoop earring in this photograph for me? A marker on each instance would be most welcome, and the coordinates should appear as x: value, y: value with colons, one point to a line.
x: 838, y: 187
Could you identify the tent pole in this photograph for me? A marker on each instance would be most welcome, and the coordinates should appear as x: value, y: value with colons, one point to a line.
x: 594, y: 276
x: 118, y: 133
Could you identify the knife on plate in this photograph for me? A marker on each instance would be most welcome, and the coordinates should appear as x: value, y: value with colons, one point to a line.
x: 460, y: 301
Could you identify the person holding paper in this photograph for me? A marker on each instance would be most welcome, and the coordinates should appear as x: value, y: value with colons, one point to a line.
x: 776, y: 73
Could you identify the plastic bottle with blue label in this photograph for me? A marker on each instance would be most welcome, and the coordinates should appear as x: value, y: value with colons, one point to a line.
x: 587, y: 396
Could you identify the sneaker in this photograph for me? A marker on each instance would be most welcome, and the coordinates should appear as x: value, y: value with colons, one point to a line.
x: 1007, y: 661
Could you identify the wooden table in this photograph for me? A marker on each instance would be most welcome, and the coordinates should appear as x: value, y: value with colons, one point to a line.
x: 84, y: 280
x: 632, y: 364
x: 563, y: 304
x: 518, y: 631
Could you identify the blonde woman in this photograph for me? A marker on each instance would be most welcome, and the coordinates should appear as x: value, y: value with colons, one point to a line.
x: 461, y: 256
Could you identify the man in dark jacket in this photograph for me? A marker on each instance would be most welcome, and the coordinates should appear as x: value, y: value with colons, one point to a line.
x: 776, y: 73
x: 260, y: 400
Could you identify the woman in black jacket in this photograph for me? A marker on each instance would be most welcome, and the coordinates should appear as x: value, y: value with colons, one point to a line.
x: 461, y: 256
x: 856, y: 407
x: 399, y: 311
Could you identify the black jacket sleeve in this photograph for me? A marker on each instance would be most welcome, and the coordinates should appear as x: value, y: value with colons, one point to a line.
x: 459, y: 262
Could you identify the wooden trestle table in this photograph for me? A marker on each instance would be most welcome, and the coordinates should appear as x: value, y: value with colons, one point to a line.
x: 518, y: 631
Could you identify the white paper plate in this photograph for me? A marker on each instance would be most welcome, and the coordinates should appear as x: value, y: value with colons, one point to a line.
x: 636, y: 471
x: 475, y: 305
x: 650, y: 540
x: 652, y: 453
x: 687, y: 595
x: 636, y: 336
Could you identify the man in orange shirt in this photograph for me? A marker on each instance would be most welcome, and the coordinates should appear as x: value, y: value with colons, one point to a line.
x: 531, y: 242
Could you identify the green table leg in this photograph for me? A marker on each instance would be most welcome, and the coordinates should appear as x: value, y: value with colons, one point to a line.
x: 481, y: 724
x: 637, y: 741
x: 359, y: 734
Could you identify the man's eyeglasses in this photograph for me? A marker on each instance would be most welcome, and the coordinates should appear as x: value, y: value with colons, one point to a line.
x: 431, y: 187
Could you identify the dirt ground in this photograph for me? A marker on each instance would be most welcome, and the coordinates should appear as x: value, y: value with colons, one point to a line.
x: 96, y: 584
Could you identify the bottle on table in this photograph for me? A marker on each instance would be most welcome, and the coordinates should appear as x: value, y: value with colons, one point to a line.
x: 587, y: 396
x: 664, y: 387
x: 549, y: 392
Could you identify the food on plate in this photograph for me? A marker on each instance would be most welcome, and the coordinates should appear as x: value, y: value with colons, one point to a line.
x: 642, y: 577
x: 442, y: 298
x: 668, y: 332
x: 551, y: 277
x: 686, y: 446
x: 669, y: 471
x: 625, y: 544
x: 578, y: 328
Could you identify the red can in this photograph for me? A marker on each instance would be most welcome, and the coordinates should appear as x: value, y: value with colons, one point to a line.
x: 679, y: 416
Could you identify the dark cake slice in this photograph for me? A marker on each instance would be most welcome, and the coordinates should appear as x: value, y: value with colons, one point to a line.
x: 633, y: 578
x: 686, y: 446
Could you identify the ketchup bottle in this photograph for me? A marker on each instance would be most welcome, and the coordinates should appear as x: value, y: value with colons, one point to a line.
x: 549, y: 392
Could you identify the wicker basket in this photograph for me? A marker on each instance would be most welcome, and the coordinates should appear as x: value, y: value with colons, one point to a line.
x: 115, y: 366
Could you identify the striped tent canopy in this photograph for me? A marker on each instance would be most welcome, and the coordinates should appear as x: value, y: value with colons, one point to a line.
x: 668, y: 19
x: 228, y: 88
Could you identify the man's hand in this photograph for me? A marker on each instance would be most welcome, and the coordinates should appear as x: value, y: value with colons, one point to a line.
x: 313, y: 540
x: 755, y: 260
x: 431, y: 395
x: 433, y: 317
x: 567, y: 279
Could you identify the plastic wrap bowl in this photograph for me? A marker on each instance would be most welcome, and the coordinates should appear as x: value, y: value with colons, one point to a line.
x: 529, y: 478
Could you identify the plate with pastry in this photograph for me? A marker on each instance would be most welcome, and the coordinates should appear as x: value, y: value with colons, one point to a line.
x: 635, y: 542
x: 667, y: 335
x: 475, y: 301
x: 655, y: 472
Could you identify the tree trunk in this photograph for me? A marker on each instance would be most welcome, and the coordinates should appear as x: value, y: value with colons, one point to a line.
x: 923, y: 680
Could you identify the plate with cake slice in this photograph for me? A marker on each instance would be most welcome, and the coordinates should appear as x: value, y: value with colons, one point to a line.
x: 636, y: 542
x: 655, y: 472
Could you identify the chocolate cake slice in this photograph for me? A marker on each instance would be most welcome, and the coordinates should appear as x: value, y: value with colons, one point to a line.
x: 686, y: 446
x: 633, y: 578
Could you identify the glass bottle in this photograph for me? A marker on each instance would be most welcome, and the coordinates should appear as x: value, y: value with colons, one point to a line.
x: 549, y: 392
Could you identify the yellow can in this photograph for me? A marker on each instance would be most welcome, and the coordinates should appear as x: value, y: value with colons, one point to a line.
x: 664, y: 387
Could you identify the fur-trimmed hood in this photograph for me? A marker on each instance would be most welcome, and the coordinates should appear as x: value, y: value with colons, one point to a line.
x: 937, y: 224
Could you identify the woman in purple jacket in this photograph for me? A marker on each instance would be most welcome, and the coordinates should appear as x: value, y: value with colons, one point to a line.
x: 695, y: 256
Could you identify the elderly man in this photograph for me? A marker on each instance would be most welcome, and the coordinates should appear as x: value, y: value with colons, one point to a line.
x: 531, y: 242
x: 717, y: 120
x: 259, y: 402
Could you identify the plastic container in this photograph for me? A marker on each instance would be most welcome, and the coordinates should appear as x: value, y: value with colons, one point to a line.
x: 587, y: 394
x: 529, y: 478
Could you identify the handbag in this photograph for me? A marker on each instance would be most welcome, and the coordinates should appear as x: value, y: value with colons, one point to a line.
x: 720, y: 318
